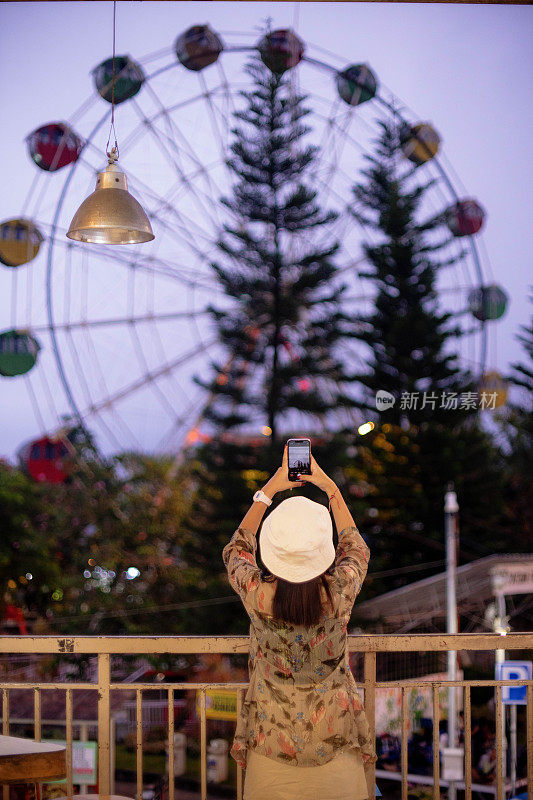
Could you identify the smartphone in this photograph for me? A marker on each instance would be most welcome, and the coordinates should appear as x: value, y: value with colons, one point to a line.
x: 299, y: 457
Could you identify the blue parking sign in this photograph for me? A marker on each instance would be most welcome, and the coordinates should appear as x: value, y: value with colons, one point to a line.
x: 511, y: 671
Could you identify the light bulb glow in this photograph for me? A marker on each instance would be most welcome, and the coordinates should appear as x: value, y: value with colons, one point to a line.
x: 132, y: 572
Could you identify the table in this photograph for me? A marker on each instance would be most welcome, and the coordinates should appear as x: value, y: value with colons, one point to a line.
x: 26, y: 761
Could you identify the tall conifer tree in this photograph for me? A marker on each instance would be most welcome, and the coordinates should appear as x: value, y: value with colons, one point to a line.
x: 280, y: 332
x: 411, y: 340
x: 421, y: 443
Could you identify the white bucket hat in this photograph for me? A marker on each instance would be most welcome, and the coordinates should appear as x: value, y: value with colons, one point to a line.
x: 297, y: 540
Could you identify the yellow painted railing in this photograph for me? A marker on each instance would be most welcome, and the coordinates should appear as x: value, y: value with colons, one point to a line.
x: 104, y: 647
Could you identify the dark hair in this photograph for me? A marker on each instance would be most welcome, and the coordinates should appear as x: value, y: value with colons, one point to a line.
x: 300, y: 603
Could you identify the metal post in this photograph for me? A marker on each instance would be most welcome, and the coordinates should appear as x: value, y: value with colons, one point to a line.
x: 84, y: 737
x: 512, y: 734
x: 370, y: 711
x: 451, y: 509
x: 499, y: 657
x: 112, y: 753
x: 104, y: 708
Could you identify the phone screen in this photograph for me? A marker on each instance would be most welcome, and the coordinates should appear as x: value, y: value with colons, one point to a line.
x: 299, y: 456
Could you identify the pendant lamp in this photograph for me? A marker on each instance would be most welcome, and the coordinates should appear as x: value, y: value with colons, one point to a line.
x: 110, y: 215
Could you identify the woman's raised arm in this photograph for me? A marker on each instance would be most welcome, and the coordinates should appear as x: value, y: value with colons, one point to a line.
x: 352, y: 554
x: 341, y: 512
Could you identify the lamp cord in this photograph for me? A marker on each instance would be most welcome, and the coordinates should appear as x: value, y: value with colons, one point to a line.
x: 114, y: 154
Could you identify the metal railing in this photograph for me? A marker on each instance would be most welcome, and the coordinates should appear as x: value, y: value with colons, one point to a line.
x: 104, y: 647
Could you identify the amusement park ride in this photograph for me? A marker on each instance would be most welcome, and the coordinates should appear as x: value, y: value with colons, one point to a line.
x: 123, y: 330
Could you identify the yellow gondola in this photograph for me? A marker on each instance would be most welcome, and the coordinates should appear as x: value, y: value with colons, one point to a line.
x: 20, y: 241
x: 420, y: 143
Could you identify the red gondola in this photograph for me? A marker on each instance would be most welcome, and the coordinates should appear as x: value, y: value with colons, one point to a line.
x: 44, y: 460
x: 198, y: 47
x: 281, y: 50
x: 465, y: 218
x: 54, y: 145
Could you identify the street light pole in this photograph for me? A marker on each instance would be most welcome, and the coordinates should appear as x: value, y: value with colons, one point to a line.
x: 451, y: 510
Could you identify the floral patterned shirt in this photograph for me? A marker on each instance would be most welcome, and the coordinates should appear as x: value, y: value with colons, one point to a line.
x: 302, y: 706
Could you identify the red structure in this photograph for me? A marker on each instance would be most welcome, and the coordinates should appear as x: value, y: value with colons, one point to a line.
x: 44, y: 460
x: 54, y: 146
x: 465, y: 218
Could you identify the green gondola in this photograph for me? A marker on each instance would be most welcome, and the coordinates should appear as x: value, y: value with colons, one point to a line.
x: 356, y: 84
x: 18, y: 352
x: 129, y: 77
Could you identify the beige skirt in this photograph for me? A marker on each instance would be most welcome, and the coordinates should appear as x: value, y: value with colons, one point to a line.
x: 342, y: 778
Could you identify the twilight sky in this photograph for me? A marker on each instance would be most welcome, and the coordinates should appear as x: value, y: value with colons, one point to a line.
x: 465, y: 68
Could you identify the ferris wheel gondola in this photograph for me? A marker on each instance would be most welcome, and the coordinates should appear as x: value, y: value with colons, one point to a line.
x: 127, y: 331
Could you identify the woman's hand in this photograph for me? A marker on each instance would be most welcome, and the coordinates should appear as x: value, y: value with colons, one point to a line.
x: 319, y: 478
x: 279, y: 481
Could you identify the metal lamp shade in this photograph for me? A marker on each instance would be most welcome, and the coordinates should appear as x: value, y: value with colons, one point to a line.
x: 110, y: 215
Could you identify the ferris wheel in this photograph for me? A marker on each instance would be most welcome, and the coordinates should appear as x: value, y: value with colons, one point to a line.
x: 123, y: 330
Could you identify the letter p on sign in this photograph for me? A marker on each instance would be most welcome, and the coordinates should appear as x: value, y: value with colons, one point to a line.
x: 512, y: 671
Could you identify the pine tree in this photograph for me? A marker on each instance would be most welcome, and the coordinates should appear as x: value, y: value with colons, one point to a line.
x: 280, y: 335
x: 410, y: 339
x: 417, y: 448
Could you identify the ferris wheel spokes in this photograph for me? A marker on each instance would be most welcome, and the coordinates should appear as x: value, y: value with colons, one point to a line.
x: 162, y: 141
x: 148, y: 264
x: 153, y: 375
x: 102, y: 323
